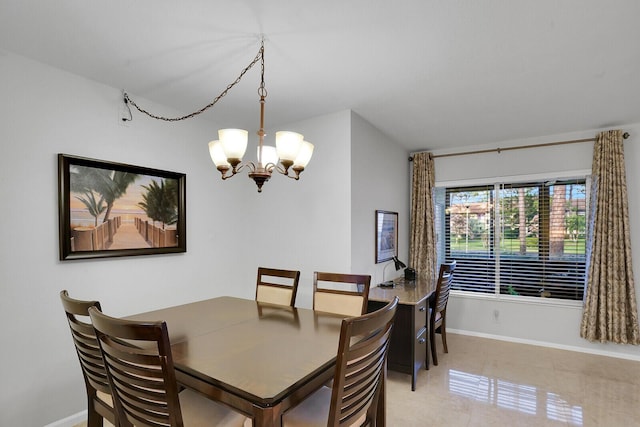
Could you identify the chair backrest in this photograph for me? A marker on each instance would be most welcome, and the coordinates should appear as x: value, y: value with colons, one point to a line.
x: 277, y: 286
x: 345, y: 294
x: 361, y: 361
x: 445, y: 278
x: 87, y: 347
x: 140, y: 369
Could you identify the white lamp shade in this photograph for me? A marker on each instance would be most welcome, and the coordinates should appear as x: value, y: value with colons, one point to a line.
x: 234, y: 142
x: 288, y: 144
x: 304, y: 156
x: 217, y: 154
x: 269, y: 155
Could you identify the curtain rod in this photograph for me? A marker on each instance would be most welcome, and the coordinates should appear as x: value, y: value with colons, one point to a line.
x: 499, y: 150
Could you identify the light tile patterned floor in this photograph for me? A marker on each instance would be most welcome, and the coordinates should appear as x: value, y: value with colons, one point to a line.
x: 484, y: 382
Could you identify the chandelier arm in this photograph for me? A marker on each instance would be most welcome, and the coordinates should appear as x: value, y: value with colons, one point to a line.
x: 282, y: 170
x: 286, y: 173
x: 250, y: 165
x: 128, y: 100
x: 229, y: 172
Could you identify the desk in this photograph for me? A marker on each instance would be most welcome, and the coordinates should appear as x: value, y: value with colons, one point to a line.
x: 259, y: 359
x: 408, y: 350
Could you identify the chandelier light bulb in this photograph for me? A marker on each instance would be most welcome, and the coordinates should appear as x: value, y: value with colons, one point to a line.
x: 304, y: 155
x: 234, y: 143
x: 288, y: 145
x: 217, y: 154
x: 269, y: 156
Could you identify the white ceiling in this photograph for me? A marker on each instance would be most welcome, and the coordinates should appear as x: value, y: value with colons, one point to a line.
x: 429, y: 74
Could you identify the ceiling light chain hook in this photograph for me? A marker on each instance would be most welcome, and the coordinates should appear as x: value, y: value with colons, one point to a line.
x: 259, y: 57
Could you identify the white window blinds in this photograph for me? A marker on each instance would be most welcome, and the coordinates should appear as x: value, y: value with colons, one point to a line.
x: 518, y: 239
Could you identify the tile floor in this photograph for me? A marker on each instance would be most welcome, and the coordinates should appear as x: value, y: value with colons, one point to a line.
x: 483, y: 382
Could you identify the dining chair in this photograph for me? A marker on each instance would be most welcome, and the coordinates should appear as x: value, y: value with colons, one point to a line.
x: 277, y: 286
x: 344, y: 294
x: 99, y: 401
x: 139, y: 364
x: 359, y: 378
x: 438, y: 308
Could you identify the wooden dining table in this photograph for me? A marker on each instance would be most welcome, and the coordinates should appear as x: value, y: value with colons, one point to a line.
x: 257, y: 358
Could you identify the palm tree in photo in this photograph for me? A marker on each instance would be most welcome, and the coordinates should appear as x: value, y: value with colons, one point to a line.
x: 160, y: 202
x: 110, y: 184
x: 115, y: 188
x: 85, y: 178
x: 95, y: 207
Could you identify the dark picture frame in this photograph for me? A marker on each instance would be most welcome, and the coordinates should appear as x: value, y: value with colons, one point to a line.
x: 386, y: 235
x: 109, y: 209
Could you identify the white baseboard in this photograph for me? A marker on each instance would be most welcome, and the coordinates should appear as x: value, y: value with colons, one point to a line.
x: 546, y: 344
x: 70, y: 421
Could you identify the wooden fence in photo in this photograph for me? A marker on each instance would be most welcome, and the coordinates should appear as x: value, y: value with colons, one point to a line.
x: 156, y: 236
x: 101, y: 237
x: 95, y: 238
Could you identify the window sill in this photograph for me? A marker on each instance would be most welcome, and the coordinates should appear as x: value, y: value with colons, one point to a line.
x: 547, y: 302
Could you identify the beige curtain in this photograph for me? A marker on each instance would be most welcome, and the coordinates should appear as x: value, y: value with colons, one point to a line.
x: 422, y: 249
x: 610, y: 310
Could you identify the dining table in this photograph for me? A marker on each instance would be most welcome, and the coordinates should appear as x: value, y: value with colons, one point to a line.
x: 259, y: 359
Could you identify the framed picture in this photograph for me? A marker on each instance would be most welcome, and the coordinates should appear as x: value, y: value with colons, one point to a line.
x: 386, y: 235
x: 111, y: 209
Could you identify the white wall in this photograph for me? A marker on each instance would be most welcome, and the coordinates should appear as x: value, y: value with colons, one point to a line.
x: 313, y: 215
x: 380, y: 176
x: 558, y: 325
x: 231, y: 229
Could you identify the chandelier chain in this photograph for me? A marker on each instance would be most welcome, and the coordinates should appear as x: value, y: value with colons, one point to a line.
x: 259, y: 57
x: 262, y: 91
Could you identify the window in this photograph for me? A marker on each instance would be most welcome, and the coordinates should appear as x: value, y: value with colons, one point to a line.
x: 521, y: 239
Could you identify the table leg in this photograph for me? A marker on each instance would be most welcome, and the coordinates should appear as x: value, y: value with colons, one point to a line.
x: 267, y: 417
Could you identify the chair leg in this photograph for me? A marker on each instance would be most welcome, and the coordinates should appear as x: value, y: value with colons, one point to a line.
x: 426, y: 353
x: 94, y: 419
x: 443, y: 332
x: 432, y: 342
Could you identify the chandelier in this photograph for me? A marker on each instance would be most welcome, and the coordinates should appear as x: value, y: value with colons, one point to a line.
x: 291, y: 150
x: 289, y: 157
